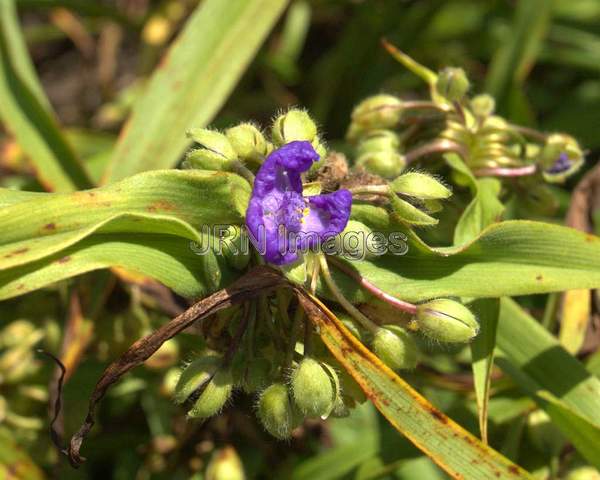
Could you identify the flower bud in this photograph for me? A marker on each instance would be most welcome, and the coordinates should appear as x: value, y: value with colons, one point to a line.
x: 248, y: 142
x: 214, y: 395
x: 293, y: 125
x: 378, y: 111
x: 165, y: 357
x: 196, y: 374
x: 378, y: 154
x: 358, y: 242
x: 217, y: 152
x: 584, y: 472
x: 395, y: 347
x: 483, y: 105
x: 560, y: 157
x: 276, y: 412
x: 544, y: 435
x: 452, y: 83
x: 420, y: 185
x: 312, y: 389
x: 447, y: 321
x: 225, y: 464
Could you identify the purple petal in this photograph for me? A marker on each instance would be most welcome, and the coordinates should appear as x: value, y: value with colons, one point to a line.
x: 282, y: 168
x: 327, y: 216
x: 562, y: 164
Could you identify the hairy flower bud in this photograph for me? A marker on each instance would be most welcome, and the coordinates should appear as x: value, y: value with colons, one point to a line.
x: 213, y: 141
x: 234, y: 247
x: 225, y: 464
x: 378, y: 154
x: 293, y: 125
x: 420, y: 185
x: 206, y: 379
x: 452, y: 83
x: 277, y: 412
x: 395, y: 347
x: 378, y: 111
x: 312, y: 388
x: 483, y: 105
x: 357, y: 242
x: 560, y: 157
x: 256, y: 375
x: 248, y: 142
x: 447, y: 321
x: 165, y: 357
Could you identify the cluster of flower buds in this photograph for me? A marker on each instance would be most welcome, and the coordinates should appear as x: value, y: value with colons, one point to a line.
x: 247, y: 145
x: 390, y: 133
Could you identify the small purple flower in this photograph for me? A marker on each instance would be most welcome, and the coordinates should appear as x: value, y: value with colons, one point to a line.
x: 280, y: 220
x: 562, y: 164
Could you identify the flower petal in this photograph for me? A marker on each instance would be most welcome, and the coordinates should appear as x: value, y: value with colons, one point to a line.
x: 328, y: 215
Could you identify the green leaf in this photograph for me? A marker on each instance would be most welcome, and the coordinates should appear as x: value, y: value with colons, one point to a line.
x: 484, y: 209
x: 50, y: 237
x: 454, y: 449
x: 508, y: 258
x: 482, y: 353
x: 540, y: 359
x: 26, y: 112
x: 49, y: 223
x: 193, y: 81
x: 14, y: 462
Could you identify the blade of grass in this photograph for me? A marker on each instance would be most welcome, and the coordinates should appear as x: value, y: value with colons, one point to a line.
x: 192, y: 82
x: 482, y: 353
x: 25, y: 111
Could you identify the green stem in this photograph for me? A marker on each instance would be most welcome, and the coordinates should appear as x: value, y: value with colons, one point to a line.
x: 343, y: 301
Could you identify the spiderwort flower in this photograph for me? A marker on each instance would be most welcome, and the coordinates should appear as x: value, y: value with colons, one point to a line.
x: 280, y: 220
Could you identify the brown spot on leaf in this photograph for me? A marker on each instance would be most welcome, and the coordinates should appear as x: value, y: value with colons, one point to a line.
x: 161, y: 205
x: 513, y: 469
x: 439, y: 416
x: 64, y: 259
x: 50, y: 226
x: 19, y: 251
x: 539, y: 278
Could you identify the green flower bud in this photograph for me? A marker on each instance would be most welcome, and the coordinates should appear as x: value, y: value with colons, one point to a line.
x: 386, y: 164
x: 312, y: 389
x: 560, y: 157
x: 447, y: 321
x: 357, y: 242
x: 214, y: 396
x: 225, y: 464
x: 483, y: 105
x: 169, y: 382
x: 217, y: 154
x: 166, y: 356
x: 544, y: 435
x: 276, y: 411
x: 197, y: 374
x: 395, y: 347
x: 583, y: 473
x: 293, y: 125
x: 378, y: 154
x: 248, y: 142
x: 452, y: 83
x: 420, y: 185
x: 378, y: 111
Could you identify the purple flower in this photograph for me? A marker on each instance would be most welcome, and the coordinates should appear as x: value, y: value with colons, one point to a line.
x: 562, y: 164
x: 280, y: 220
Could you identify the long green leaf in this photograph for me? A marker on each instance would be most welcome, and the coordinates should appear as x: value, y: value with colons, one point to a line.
x: 192, y: 82
x: 26, y: 112
x: 48, y: 223
x: 482, y: 353
x: 537, y: 355
x: 14, y: 461
x: 454, y: 449
x: 508, y: 258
